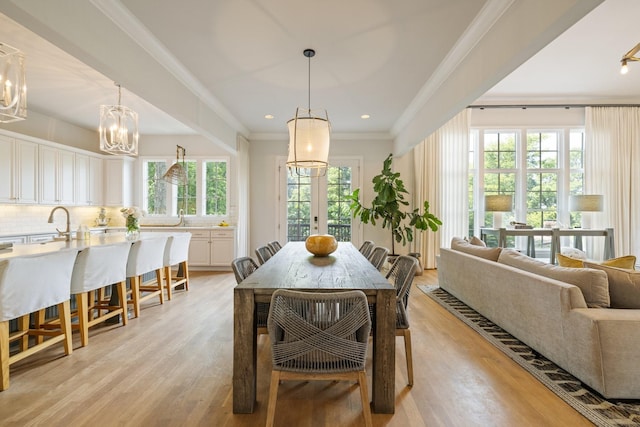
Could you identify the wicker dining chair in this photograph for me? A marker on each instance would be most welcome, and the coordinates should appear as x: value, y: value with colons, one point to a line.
x: 264, y: 253
x: 378, y: 257
x: 318, y: 336
x: 366, y: 248
x: 242, y: 267
x: 402, y: 273
x: 275, y: 246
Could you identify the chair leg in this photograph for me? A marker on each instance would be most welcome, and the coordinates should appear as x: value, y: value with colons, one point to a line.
x: 407, y: 351
x: 185, y: 274
x: 364, y: 396
x: 39, y: 318
x: 167, y: 277
x: 64, y: 311
x: 122, y: 298
x: 23, y: 325
x: 273, y: 396
x: 135, y: 295
x: 160, y: 281
x: 82, y: 302
x: 4, y: 355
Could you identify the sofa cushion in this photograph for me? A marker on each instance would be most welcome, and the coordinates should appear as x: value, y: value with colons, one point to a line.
x: 573, y: 252
x: 624, y: 285
x: 593, y: 283
x: 567, y: 261
x: 628, y: 262
x: 462, y: 245
x: 476, y: 241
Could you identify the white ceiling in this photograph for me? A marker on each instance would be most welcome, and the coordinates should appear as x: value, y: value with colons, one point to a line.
x: 217, y: 67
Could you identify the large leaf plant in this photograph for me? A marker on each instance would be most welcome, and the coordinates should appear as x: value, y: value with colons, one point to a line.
x: 389, y: 207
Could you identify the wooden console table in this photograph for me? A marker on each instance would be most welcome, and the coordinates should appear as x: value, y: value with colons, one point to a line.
x: 577, y: 233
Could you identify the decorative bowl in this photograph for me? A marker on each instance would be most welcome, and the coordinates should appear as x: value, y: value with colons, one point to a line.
x: 321, y: 244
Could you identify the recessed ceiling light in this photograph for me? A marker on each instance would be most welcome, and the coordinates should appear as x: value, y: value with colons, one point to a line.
x: 365, y: 116
x: 268, y: 116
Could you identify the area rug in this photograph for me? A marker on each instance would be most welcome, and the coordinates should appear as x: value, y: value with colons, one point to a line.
x: 600, y: 411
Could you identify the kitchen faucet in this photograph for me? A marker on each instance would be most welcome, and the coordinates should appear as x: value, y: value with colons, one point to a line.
x: 67, y: 233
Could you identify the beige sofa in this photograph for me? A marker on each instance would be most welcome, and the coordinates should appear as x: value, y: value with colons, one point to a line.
x: 600, y: 346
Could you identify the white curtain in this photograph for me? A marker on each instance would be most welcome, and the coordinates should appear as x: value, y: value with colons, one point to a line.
x: 242, y: 177
x: 442, y: 177
x: 612, y: 168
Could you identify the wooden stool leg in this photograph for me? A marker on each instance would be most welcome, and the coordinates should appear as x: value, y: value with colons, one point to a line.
x: 4, y: 355
x: 407, y: 351
x: 167, y: 277
x: 364, y: 397
x: 90, y: 297
x: 273, y: 396
x: 185, y: 274
x: 64, y: 311
x: 135, y: 295
x: 82, y: 302
x: 38, y: 321
x: 23, y: 325
x: 122, y: 298
x: 160, y: 281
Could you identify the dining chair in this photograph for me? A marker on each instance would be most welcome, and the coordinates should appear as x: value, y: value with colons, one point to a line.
x: 97, y: 267
x: 275, y: 246
x: 366, y: 248
x: 28, y: 285
x: 242, y: 267
x: 146, y: 255
x: 176, y: 252
x: 264, y: 253
x: 318, y: 336
x: 378, y: 256
x: 401, y: 274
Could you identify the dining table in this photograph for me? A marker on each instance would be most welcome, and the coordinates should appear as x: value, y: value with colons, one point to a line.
x: 294, y: 268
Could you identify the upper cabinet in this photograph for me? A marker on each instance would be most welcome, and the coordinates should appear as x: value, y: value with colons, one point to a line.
x: 57, y: 176
x: 89, y: 179
x: 18, y: 171
x: 118, y: 185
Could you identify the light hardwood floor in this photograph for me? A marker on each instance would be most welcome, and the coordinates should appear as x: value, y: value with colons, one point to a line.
x: 173, y: 366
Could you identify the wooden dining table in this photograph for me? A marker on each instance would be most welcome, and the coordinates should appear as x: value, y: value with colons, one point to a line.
x: 293, y: 267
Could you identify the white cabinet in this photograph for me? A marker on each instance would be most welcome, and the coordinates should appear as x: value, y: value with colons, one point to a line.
x: 200, y: 248
x: 88, y: 173
x: 118, y: 176
x: 57, y: 175
x: 18, y: 171
x: 211, y: 248
x: 222, y: 247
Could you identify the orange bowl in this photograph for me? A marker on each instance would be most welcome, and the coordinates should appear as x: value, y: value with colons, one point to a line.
x: 321, y: 244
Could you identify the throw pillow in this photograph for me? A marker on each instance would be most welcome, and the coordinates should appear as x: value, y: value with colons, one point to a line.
x: 627, y: 261
x: 593, y: 283
x: 477, y: 242
x: 573, y: 252
x: 624, y: 285
x: 567, y: 261
x: 462, y: 245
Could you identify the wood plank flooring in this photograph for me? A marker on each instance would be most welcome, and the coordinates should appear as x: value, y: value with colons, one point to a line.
x: 173, y: 366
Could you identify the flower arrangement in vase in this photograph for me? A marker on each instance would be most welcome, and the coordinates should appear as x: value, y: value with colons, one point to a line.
x: 132, y: 217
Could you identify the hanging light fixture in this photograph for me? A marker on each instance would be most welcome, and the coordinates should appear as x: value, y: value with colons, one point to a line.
x: 629, y: 57
x: 309, y: 136
x: 177, y: 173
x: 118, y: 128
x: 13, y: 85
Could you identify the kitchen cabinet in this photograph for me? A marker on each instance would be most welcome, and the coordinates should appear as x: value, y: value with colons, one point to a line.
x: 222, y: 247
x: 118, y: 185
x: 88, y: 185
x: 18, y: 171
x: 57, y: 176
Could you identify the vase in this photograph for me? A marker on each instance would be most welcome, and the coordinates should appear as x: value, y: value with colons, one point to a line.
x: 133, y: 228
x: 321, y: 244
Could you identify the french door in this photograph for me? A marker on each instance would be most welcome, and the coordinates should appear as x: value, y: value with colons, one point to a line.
x: 319, y: 205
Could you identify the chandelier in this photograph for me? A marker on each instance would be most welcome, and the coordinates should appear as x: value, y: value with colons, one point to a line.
x: 177, y: 173
x: 118, y: 128
x: 13, y: 86
x: 309, y: 136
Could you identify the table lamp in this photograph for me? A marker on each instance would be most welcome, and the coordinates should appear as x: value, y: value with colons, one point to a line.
x: 586, y: 203
x: 497, y: 204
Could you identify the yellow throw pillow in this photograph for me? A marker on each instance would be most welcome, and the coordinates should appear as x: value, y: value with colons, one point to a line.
x: 566, y: 261
x: 627, y: 261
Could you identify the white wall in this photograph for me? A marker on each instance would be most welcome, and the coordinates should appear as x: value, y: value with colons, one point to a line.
x: 264, y: 183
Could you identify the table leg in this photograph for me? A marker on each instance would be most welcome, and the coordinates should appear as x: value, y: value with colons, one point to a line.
x: 244, y: 351
x: 384, y: 353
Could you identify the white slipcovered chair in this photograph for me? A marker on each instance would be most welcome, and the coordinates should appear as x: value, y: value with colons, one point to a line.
x: 146, y: 255
x: 95, y: 268
x: 28, y: 285
x: 176, y: 252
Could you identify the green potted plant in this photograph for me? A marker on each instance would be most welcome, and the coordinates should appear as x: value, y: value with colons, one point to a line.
x: 389, y: 207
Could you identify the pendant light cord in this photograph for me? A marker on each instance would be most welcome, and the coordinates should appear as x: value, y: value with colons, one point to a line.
x: 309, y: 86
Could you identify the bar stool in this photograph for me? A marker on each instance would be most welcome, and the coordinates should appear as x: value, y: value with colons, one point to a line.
x: 176, y: 252
x: 27, y: 285
x: 95, y: 268
x: 146, y: 255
